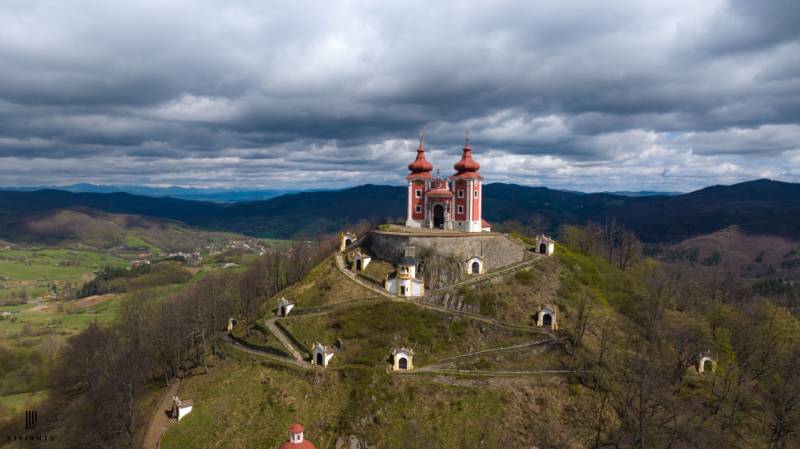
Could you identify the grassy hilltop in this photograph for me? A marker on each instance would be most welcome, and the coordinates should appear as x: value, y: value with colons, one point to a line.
x: 247, y: 401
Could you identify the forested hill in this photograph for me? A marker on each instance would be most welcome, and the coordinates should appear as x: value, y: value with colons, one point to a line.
x: 760, y: 206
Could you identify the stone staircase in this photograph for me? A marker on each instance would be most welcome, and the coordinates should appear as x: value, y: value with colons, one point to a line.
x: 285, y: 341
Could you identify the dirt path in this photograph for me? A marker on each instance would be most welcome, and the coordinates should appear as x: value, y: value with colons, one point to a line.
x: 489, y: 351
x: 159, y: 423
x: 466, y: 372
x: 286, y: 360
x: 493, y: 274
x: 285, y: 341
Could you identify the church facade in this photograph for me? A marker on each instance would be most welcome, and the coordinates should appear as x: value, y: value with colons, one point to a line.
x: 454, y: 203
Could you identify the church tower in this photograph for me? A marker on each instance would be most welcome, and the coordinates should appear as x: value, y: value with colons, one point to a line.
x: 467, y: 185
x: 451, y: 204
x: 419, y: 182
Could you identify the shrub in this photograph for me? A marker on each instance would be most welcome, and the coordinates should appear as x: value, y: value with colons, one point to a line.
x: 524, y: 277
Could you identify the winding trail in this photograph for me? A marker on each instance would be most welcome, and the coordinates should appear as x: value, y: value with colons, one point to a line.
x: 491, y: 350
x: 493, y: 321
x: 285, y: 341
x: 481, y: 373
x: 160, y: 422
x: 299, y: 363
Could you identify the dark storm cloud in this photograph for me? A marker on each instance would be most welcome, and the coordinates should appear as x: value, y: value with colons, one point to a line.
x: 577, y: 94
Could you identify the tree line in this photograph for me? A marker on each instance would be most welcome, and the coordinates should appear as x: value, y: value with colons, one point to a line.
x: 644, y: 391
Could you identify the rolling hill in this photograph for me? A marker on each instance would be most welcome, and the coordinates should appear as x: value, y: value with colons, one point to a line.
x: 760, y: 206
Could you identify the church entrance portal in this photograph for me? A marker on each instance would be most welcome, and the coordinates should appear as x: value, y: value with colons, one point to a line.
x: 543, y: 248
x: 547, y: 319
x: 476, y: 268
x: 438, y: 216
x: 358, y: 265
x: 319, y: 358
x: 402, y: 363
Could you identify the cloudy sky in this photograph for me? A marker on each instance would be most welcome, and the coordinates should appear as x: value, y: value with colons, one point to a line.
x: 587, y: 95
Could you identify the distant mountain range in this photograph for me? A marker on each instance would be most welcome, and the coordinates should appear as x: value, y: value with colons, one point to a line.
x: 214, y: 195
x: 224, y: 195
x: 644, y: 193
x: 761, y: 206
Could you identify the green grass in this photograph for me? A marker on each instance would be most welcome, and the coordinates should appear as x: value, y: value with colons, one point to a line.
x: 17, y: 307
x: 61, y: 322
x: 370, y: 331
x: 602, y: 280
x: 53, y: 264
x: 246, y: 403
x: 134, y: 241
x: 16, y: 403
x: 277, y: 243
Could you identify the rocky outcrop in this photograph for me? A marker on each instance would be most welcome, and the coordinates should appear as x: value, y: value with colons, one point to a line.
x: 351, y: 442
x: 496, y: 250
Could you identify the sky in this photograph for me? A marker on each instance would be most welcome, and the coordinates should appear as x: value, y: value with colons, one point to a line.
x: 584, y: 95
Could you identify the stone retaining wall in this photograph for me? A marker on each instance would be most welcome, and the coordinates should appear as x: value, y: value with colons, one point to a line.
x: 496, y: 250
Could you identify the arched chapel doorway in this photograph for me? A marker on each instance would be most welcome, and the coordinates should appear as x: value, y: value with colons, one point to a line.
x: 476, y: 267
x: 543, y: 248
x: 358, y: 265
x: 402, y: 363
x: 319, y: 358
x: 438, y: 216
x: 547, y: 319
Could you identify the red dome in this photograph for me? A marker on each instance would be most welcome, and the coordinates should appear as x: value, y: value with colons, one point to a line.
x: 466, y: 164
x: 296, y: 428
x: 420, y: 166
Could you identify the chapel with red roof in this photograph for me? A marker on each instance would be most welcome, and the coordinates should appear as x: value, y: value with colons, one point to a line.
x: 454, y: 203
x: 296, y: 439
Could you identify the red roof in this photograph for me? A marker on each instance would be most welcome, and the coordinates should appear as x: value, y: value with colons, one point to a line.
x: 423, y: 175
x: 466, y: 164
x: 484, y: 223
x: 439, y: 192
x: 305, y: 444
x: 420, y: 164
x: 469, y: 174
